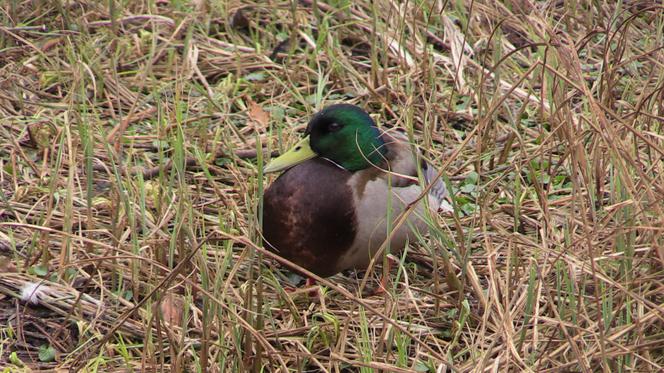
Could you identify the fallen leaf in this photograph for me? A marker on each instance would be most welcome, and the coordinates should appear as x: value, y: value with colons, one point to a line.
x: 7, y: 265
x: 257, y: 114
x: 46, y: 353
x: 171, y: 309
x: 41, y: 135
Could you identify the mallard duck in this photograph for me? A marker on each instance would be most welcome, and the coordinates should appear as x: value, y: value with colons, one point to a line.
x: 328, y: 211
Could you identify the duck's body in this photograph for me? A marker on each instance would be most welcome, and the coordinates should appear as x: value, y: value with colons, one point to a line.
x: 307, y: 228
x: 327, y: 218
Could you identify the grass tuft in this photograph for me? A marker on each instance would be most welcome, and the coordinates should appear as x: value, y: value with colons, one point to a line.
x: 133, y: 136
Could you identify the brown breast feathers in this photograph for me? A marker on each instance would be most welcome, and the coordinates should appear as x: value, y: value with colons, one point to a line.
x: 309, y: 216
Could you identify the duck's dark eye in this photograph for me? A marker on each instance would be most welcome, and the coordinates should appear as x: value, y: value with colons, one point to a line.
x: 334, y: 127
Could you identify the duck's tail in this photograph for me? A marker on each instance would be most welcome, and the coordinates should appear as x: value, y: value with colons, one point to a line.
x: 438, y: 191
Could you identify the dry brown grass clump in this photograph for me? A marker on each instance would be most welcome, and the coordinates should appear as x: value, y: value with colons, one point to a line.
x: 132, y: 134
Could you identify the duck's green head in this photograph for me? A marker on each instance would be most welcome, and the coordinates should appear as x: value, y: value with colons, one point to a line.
x: 343, y: 133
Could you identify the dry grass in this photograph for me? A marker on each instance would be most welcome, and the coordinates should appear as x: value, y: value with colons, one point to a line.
x: 131, y: 184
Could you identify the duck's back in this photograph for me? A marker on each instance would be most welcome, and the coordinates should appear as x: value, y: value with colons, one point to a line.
x: 308, y: 215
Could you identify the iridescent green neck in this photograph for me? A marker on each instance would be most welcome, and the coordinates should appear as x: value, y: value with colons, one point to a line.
x: 346, y: 135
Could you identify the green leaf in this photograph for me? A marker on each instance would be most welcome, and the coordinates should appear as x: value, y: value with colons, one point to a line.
x: 254, y: 77
x: 222, y: 161
x: 40, y: 270
x: 46, y: 353
x: 13, y: 358
x: 469, y: 208
x: 472, y: 178
x: 70, y: 273
x: 421, y: 366
x: 277, y: 113
x: 467, y: 188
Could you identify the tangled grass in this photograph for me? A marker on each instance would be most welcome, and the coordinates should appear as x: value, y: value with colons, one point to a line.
x: 132, y: 139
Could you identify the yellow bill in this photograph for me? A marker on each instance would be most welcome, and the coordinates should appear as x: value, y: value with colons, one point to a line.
x: 299, y: 153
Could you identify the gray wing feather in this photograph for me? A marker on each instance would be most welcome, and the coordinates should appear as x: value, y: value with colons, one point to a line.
x: 438, y: 190
x: 403, y: 162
